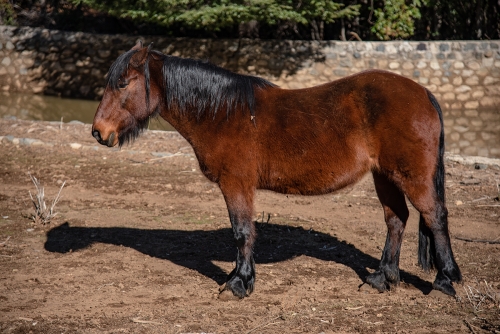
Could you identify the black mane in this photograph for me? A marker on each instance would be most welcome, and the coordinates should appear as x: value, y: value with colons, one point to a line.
x: 206, y: 87
x: 196, y: 85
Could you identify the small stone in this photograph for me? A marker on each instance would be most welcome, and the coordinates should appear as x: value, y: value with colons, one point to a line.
x: 75, y: 146
x: 480, y: 166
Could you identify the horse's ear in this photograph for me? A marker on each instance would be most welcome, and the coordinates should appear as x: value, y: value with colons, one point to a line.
x: 139, y: 58
x: 138, y: 45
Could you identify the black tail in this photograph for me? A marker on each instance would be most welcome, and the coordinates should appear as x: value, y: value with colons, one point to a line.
x: 426, y: 246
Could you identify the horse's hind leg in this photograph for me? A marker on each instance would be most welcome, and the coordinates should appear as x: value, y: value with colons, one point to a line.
x: 435, y: 246
x: 434, y: 227
x: 240, y: 207
x: 396, y: 214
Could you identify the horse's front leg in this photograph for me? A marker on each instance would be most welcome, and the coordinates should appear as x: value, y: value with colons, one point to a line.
x: 240, y: 207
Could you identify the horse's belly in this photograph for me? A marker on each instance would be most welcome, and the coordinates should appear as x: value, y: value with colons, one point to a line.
x: 311, y: 182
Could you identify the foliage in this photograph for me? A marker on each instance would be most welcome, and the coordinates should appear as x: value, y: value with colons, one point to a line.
x: 220, y: 14
x: 277, y: 19
x: 7, y: 13
x: 396, y: 20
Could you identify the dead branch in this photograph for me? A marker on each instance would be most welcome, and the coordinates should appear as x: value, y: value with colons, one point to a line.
x: 496, y: 241
x: 139, y: 321
x: 4, y: 242
x: 470, y: 326
x: 354, y: 35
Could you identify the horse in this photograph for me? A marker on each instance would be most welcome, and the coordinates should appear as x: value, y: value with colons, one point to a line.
x: 249, y: 134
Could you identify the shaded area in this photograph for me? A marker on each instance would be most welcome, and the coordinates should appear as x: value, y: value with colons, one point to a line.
x: 197, y: 249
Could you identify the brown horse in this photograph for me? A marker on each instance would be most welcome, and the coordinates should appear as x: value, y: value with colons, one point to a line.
x: 249, y: 134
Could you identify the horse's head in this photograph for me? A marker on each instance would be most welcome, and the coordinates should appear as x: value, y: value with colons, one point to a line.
x: 129, y: 100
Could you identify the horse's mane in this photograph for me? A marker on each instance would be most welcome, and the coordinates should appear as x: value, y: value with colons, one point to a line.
x: 196, y: 85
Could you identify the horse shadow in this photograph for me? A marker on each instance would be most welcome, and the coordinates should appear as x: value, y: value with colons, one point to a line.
x: 198, y: 249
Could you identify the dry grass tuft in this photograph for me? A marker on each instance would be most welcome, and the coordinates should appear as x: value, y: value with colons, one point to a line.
x: 483, y: 295
x: 43, y: 214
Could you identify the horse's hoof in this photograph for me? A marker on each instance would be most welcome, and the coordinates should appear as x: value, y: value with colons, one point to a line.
x: 377, y: 281
x: 444, y: 285
x: 237, y: 287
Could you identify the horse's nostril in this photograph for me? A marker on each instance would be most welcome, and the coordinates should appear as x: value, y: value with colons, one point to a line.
x: 96, y: 135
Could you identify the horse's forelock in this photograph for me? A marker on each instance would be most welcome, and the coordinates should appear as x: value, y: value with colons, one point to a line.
x: 118, y: 68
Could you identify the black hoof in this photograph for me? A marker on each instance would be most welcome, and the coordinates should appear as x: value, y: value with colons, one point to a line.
x: 239, y: 287
x: 444, y: 285
x: 377, y: 281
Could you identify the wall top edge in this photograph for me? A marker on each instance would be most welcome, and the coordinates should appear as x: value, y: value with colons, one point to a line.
x: 11, y: 31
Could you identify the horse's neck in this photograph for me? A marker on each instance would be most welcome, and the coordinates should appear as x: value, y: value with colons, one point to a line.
x: 187, y: 126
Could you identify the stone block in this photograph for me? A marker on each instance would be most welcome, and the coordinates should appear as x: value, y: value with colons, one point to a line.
x: 457, y: 81
x: 435, y: 65
x: 394, y: 65
x: 423, y: 80
x: 460, y: 128
x: 408, y: 66
x: 470, y: 136
x: 470, y: 150
x: 455, y: 136
x: 478, y: 94
x: 462, y: 89
x: 446, y: 88
x: 435, y: 81
x: 448, y: 96
x: 6, y: 61
x: 471, y: 104
x: 488, y: 80
x: 422, y: 64
x: 467, y: 73
x: 463, y: 143
x: 489, y: 102
x: 473, y: 80
x: 473, y: 65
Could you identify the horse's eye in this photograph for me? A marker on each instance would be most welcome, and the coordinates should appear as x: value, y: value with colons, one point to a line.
x: 122, y: 84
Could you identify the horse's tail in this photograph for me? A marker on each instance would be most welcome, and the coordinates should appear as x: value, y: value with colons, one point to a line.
x: 426, y: 246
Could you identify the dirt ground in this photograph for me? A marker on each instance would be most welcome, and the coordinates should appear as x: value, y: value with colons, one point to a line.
x: 142, y: 242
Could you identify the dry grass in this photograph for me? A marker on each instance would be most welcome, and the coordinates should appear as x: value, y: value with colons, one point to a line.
x: 43, y: 214
x: 482, y: 295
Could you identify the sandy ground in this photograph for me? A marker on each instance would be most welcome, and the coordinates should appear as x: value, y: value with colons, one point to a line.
x: 142, y: 242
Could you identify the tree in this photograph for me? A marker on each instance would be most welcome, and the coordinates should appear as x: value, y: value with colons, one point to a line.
x: 7, y: 13
x: 216, y: 15
x: 397, y: 19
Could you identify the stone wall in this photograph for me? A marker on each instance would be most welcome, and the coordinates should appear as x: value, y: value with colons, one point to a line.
x: 464, y: 75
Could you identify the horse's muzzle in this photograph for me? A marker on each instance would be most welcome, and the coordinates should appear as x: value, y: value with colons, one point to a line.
x: 97, y: 135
